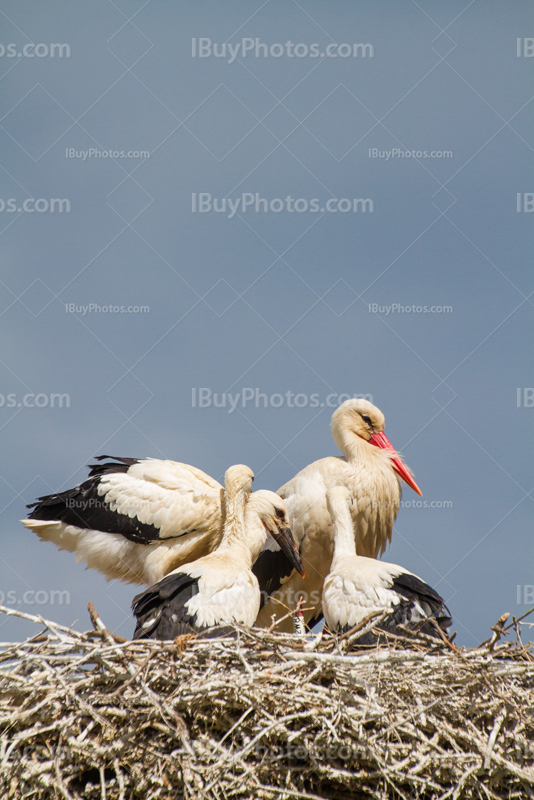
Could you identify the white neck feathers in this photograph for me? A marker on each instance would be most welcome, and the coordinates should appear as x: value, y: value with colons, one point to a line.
x: 238, y: 485
x: 257, y: 533
x: 338, y: 500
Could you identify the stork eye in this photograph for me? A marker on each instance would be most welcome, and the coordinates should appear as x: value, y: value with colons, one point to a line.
x: 367, y: 420
x: 279, y: 513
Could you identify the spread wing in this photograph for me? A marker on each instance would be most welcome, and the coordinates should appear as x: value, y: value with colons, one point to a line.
x: 145, y: 503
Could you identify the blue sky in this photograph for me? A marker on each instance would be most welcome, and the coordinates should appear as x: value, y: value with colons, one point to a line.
x: 402, y: 134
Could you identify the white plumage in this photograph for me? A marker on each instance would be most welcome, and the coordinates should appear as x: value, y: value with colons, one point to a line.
x: 219, y: 588
x: 357, y: 586
x: 370, y: 470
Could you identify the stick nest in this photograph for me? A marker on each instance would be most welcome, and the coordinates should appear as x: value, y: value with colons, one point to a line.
x: 263, y: 715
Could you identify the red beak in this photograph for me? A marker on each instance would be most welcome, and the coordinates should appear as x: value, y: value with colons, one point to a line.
x: 380, y: 439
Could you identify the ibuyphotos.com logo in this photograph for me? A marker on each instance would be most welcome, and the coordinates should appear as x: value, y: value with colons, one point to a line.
x: 254, y: 203
x: 248, y: 47
x: 203, y: 397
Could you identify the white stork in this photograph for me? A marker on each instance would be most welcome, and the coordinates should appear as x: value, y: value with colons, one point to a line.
x: 219, y: 588
x: 371, y: 470
x: 357, y: 586
x: 135, y: 520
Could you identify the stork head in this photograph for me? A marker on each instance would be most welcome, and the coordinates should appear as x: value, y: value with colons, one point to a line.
x: 272, y: 513
x: 358, y: 417
x: 238, y: 479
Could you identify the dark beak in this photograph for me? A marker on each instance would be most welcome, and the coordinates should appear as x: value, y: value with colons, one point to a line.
x: 284, y: 539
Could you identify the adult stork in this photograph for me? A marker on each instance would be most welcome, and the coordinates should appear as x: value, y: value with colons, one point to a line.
x: 135, y: 520
x: 219, y: 588
x: 371, y: 470
x: 357, y: 586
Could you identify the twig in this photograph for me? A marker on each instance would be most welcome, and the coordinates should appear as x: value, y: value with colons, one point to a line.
x: 99, y: 626
x: 493, y: 737
x: 498, y: 631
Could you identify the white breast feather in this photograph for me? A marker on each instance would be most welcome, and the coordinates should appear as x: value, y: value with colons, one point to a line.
x: 225, y: 599
x: 347, y: 602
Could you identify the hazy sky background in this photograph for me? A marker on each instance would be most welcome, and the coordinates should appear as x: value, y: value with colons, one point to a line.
x: 276, y: 301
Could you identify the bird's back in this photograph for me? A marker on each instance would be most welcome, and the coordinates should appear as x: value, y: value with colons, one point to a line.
x: 357, y: 587
x: 214, y: 590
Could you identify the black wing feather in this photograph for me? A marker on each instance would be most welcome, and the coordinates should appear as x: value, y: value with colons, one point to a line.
x: 85, y: 508
x: 411, y: 586
x: 317, y: 617
x: 116, y: 464
x: 414, y: 589
x: 270, y: 569
x: 160, y: 610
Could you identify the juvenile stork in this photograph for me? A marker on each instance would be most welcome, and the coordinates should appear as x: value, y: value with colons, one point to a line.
x: 219, y: 588
x: 357, y: 586
x: 371, y: 470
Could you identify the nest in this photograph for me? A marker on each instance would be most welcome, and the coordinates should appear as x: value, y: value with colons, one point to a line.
x: 264, y: 715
